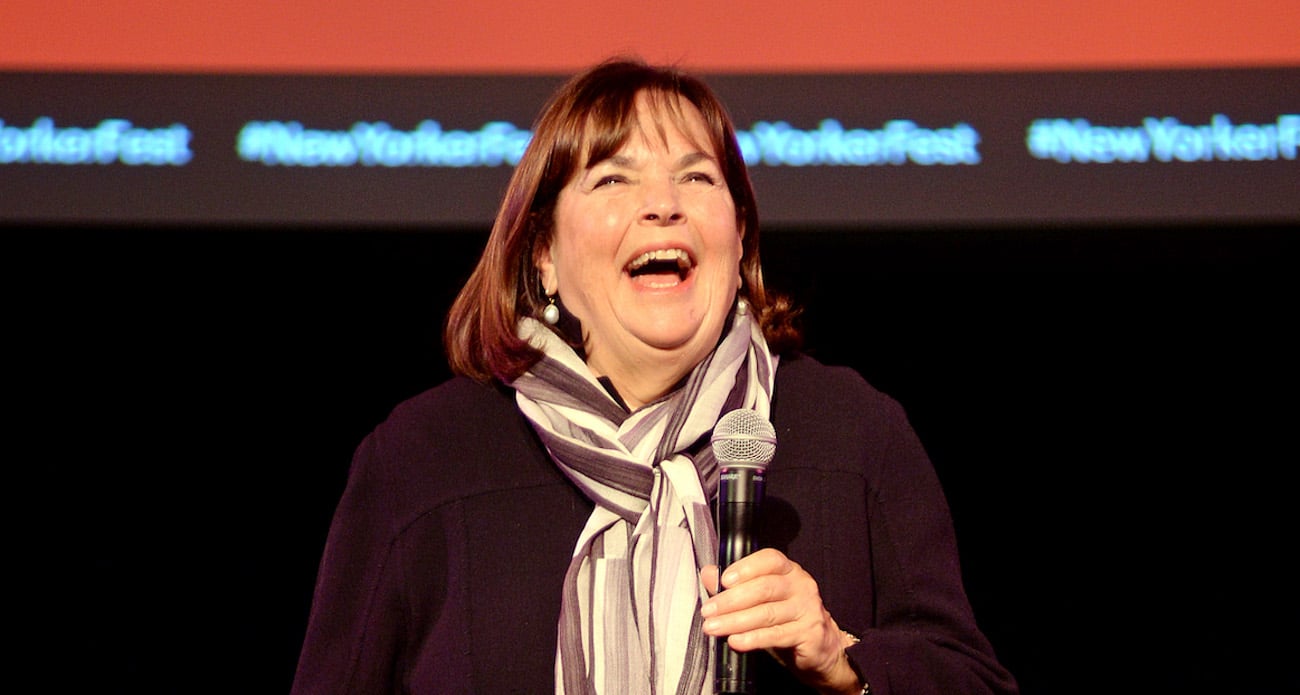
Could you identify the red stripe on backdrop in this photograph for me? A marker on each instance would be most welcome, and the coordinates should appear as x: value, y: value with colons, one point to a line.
x: 504, y: 36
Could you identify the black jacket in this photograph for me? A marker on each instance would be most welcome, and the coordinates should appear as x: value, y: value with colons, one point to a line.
x: 444, y: 563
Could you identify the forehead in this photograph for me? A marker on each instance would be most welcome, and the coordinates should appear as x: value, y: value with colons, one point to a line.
x: 658, y: 120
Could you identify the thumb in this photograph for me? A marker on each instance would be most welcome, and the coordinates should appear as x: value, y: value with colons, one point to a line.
x: 709, y: 578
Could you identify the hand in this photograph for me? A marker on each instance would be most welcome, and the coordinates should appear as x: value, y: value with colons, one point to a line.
x: 770, y: 602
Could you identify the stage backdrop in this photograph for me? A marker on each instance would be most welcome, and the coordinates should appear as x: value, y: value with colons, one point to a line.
x: 861, y: 115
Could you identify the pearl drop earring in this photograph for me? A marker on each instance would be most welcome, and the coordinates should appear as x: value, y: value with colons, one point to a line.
x: 742, y: 307
x: 551, y: 314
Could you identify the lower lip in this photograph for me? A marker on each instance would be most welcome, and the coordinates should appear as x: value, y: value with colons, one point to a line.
x: 660, y: 282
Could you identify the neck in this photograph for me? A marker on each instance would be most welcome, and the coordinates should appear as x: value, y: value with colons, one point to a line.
x: 637, y: 387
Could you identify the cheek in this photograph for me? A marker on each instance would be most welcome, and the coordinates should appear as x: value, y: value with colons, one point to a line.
x: 732, y: 240
x: 576, y: 264
x: 564, y: 244
x: 583, y: 223
x: 734, y: 269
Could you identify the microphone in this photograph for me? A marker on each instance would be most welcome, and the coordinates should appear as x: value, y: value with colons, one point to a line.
x: 743, y: 443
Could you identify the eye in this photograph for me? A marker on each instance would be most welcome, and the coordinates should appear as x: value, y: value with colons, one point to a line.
x: 700, y: 177
x: 608, y: 180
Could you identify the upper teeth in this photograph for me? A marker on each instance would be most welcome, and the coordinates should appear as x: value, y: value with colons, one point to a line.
x: 678, y: 255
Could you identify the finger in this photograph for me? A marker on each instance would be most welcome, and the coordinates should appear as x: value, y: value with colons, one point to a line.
x: 746, y: 620
x: 806, y: 638
x: 820, y: 644
x: 709, y: 578
x: 757, y: 591
x: 758, y: 603
x: 758, y: 563
x: 770, y: 611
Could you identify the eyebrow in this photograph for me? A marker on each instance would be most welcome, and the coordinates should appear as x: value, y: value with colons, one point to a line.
x: 626, y: 162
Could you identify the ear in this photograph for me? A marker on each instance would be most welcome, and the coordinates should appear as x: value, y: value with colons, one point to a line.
x: 544, y: 260
x: 740, y: 255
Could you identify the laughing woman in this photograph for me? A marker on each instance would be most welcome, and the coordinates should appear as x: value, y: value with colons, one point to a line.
x: 541, y: 522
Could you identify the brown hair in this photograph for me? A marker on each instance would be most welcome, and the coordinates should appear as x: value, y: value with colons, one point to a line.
x: 588, y: 119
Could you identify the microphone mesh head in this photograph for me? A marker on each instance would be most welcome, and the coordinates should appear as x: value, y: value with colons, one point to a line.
x: 744, y: 438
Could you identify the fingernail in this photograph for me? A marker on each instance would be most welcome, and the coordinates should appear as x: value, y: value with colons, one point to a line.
x: 709, y: 608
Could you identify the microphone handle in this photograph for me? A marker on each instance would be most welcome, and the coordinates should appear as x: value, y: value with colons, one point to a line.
x: 740, y: 491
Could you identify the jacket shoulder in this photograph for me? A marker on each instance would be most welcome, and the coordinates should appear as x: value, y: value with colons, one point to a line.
x: 455, y: 440
x: 821, y: 407
x: 805, y: 383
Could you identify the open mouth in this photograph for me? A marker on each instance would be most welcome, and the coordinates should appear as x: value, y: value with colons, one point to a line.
x: 664, y: 266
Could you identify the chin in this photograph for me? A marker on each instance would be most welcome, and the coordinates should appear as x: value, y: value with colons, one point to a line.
x: 701, y: 339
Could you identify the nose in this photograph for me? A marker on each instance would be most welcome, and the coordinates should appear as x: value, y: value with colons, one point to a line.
x: 662, y: 205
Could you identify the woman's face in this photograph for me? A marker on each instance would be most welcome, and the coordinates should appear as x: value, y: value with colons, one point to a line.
x: 646, y: 249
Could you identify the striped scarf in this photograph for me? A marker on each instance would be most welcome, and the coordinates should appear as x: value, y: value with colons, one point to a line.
x: 629, y: 618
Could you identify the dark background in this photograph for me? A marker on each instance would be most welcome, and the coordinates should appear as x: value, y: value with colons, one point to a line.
x: 1110, y: 409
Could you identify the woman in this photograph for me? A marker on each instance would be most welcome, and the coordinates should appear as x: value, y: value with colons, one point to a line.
x: 541, y: 522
